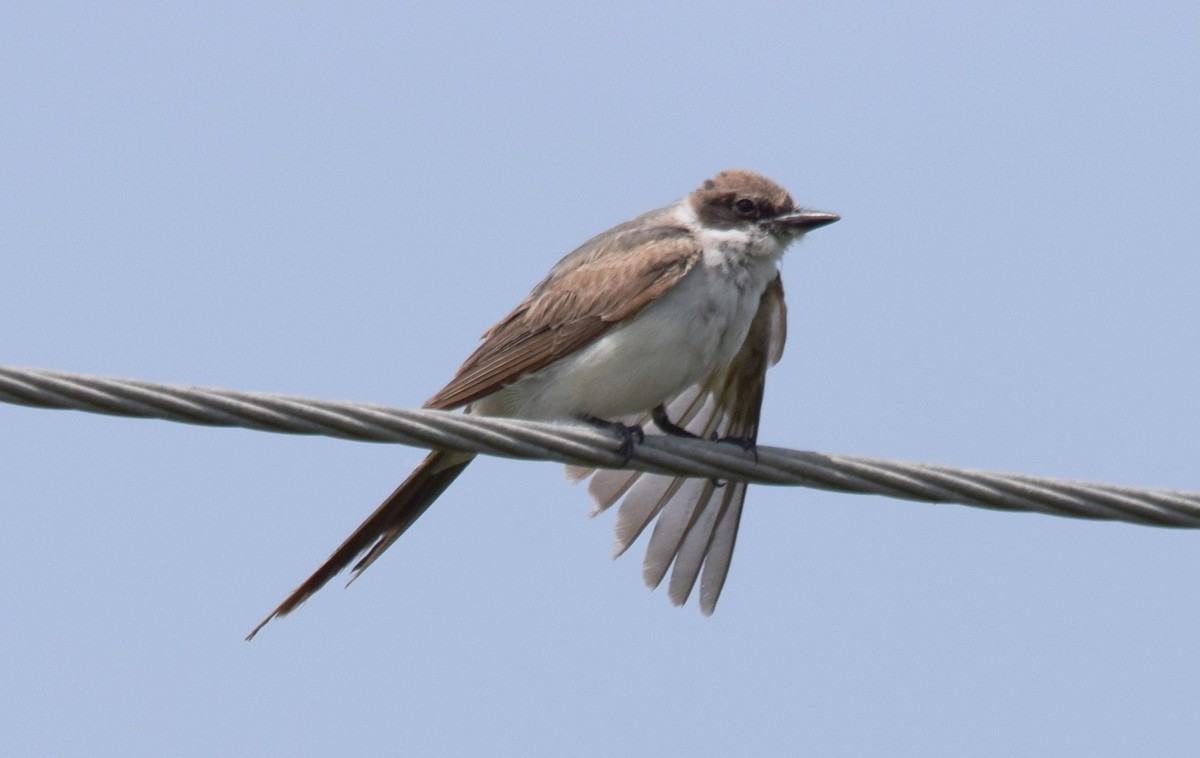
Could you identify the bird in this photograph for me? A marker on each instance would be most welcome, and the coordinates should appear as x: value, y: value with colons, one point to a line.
x: 671, y: 319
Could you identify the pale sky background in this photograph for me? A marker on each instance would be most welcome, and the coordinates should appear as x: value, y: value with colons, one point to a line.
x: 337, y: 200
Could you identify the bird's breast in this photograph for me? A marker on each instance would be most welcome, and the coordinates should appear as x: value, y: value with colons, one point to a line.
x: 690, y: 331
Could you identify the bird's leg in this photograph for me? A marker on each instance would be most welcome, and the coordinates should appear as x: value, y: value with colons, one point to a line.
x: 659, y: 414
x: 630, y: 435
x: 662, y: 421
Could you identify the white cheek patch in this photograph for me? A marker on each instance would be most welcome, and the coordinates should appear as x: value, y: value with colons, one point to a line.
x: 726, y: 246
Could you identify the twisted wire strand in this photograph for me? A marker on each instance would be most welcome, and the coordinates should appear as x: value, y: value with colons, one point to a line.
x: 586, y: 446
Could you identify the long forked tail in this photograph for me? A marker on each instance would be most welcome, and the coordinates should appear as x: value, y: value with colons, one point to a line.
x: 383, y: 527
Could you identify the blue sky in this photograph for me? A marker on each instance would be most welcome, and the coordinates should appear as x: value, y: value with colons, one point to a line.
x: 336, y: 201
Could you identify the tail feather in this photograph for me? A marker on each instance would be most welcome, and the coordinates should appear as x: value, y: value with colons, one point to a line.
x: 383, y: 527
x: 696, y: 549
x: 696, y: 520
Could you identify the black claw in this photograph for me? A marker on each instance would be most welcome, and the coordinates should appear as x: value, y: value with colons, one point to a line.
x: 630, y: 435
x: 748, y: 444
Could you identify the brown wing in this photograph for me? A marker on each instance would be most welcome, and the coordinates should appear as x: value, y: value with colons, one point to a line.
x: 698, y: 520
x: 607, y: 280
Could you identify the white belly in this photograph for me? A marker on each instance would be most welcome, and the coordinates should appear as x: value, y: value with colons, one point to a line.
x: 691, y: 331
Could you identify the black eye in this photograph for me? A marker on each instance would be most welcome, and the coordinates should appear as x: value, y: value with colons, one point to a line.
x: 745, y: 206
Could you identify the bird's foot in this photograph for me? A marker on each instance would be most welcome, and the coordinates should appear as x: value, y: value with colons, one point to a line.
x: 747, y: 443
x: 629, y: 434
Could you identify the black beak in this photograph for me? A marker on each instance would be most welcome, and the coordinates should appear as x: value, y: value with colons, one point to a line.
x: 804, y: 220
